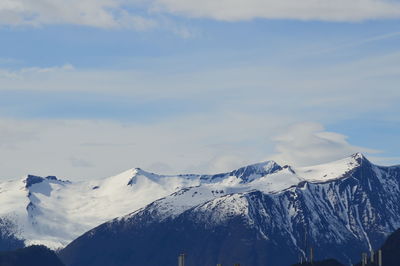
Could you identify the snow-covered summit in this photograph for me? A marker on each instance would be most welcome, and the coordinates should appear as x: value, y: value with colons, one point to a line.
x: 49, y: 211
x: 333, y: 170
x: 340, y: 209
x: 267, y: 177
x: 30, y: 180
x: 251, y: 172
x: 245, y: 174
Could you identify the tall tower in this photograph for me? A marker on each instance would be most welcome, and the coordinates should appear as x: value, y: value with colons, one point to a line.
x: 364, y: 259
x: 380, y: 257
x: 181, y: 259
x: 311, y: 255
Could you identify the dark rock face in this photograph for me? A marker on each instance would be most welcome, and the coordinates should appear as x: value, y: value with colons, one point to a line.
x: 245, y: 173
x: 30, y: 256
x: 32, y: 179
x: 338, y: 219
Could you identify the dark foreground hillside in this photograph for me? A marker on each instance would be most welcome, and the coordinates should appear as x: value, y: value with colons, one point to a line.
x: 30, y: 256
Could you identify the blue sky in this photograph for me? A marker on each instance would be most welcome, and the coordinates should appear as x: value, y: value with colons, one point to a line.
x: 91, y: 88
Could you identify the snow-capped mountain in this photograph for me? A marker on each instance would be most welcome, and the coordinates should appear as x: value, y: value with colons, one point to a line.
x: 52, y: 212
x: 339, y: 209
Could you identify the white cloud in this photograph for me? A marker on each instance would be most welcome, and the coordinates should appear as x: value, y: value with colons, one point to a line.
x: 326, y: 10
x: 309, y: 143
x: 348, y: 87
x: 38, y: 70
x: 78, y: 162
x: 80, y: 149
x: 385, y: 160
x: 249, y: 106
x: 95, y: 13
x: 194, y: 143
x: 142, y: 14
x: 28, y: 73
x: 14, y: 134
x: 359, y: 43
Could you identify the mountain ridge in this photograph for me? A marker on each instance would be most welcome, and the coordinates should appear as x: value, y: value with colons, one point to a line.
x: 54, y: 212
x: 340, y: 217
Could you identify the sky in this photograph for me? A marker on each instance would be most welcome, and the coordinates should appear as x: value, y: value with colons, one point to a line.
x: 90, y: 88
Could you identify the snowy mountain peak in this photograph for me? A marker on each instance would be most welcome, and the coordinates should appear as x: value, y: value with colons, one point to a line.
x: 266, y: 167
x: 251, y: 172
x: 343, y: 208
x: 360, y: 158
x: 333, y: 170
x: 30, y: 180
x: 358, y: 155
x: 53, y: 212
x: 138, y: 172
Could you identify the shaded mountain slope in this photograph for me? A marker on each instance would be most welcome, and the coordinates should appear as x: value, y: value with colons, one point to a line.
x: 271, y: 220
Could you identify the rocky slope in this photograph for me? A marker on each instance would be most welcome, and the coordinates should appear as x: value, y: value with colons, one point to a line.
x: 53, y: 212
x: 340, y: 209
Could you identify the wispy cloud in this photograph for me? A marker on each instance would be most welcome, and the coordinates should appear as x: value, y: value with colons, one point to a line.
x: 310, y: 143
x: 142, y: 14
x: 24, y: 73
x: 385, y: 160
x: 243, y: 108
x: 95, y: 13
x: 191, y: 144
x: 355, y: 44
x: 324, y: 10
x: 80, y: 163
x: 104, y: 14
x: 178, y: 145
x: 342, y: 85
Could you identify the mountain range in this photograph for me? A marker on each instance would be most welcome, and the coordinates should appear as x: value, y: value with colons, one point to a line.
x: 261, y: 214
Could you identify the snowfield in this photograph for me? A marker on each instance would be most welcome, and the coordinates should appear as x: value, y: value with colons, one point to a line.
x: 53, y: 212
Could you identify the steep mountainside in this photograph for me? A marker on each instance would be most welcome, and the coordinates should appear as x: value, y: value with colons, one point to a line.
x: 52, y: 212
x: 340, y: 209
